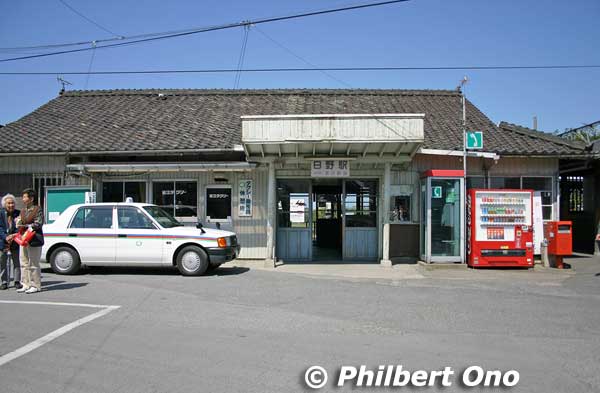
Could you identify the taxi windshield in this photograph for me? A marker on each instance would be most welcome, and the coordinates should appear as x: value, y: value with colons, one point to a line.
x: 164, y: 219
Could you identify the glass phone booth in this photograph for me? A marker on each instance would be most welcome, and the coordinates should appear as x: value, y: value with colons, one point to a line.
x: 442, y: 216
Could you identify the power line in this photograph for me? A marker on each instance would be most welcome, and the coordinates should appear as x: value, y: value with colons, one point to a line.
x: 331, y: 76
x: 124, y: 38
x: 87, y: 78
x: 240, y: 64
x: 88, y: 19
x: 297, y: 56
x: 212, y: 28
x: 320, y: 69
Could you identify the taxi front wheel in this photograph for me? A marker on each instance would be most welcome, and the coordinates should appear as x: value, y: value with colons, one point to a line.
x: 192, y: 261
x: 65, y: 260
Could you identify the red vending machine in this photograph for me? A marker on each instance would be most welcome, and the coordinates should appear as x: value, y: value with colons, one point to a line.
x: 500, y: 228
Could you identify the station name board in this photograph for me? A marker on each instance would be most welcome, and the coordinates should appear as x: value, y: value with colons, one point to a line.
x: 330, y: 168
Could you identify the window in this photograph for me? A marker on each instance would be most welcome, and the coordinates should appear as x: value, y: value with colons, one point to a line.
x: 40, y: 182
x: 178, y: 198
x: 99, y: 217
x: 163, y: 218
x: 573, y: 189
x: 218, y: 204
x: 360, y: 203
x: 293, y: 208
x: 400, y: 209
x: 544, y: 186
x: 505, y: 182
x: 476, y: 182
x: 133, y: 218
x: 118, y: 191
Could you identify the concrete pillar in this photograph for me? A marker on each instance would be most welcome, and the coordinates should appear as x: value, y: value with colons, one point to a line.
x: 387, y: 179
x: 271, y: 217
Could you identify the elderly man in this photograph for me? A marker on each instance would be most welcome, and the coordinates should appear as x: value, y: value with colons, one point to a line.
x: 31, y: 217
x: 9, y: 250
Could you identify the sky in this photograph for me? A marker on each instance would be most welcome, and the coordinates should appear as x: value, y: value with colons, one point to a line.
x: 419, y: 33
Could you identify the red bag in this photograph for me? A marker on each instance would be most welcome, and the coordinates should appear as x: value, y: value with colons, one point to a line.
x: 23, y: 238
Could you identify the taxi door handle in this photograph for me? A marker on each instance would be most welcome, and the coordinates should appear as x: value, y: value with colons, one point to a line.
x: 121, y: 235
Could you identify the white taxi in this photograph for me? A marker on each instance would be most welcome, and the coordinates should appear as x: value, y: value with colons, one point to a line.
x: 132, y: 234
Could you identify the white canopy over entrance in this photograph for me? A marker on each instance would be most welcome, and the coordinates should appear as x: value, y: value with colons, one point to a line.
x: 394, y: 136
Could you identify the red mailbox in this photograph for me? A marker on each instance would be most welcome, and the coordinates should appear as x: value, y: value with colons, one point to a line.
x: 559, y: 235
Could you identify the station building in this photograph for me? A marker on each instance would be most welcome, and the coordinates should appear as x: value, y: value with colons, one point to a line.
x: 301, y: 175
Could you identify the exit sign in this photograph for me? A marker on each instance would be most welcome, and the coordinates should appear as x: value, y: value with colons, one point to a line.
x: 474, y: 140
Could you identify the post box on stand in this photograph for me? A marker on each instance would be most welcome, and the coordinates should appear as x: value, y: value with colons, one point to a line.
x: 559, y: 235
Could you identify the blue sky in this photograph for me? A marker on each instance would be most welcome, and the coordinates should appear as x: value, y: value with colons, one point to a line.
x: 416, y: 33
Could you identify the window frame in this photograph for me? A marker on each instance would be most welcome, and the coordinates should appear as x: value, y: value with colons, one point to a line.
x: 184, y: 219
x: 146, y: 188
x: 111, y: 207
x: 553, y: 198
x: 361, y: 212
x: 140, y: 211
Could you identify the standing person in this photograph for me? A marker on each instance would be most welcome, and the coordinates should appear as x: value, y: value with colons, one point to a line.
x: 9, y: 250
x: 31, y: 217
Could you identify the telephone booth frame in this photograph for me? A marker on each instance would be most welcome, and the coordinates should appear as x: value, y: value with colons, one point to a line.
x: 442, y: 211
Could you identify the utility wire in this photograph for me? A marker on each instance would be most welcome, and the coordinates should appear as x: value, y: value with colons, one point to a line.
x: 213, y: 28
x: 117, y: 38
x: 240, y: 64
x: 320, y: 69
x: 297, y: 56
x: 329, y: 75
x: 98, y: 25
x: 87, y: 78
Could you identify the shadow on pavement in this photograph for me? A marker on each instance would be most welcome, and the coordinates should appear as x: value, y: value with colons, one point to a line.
x: 60, y: 287
x: 157, y: 271
x: 227, y: 271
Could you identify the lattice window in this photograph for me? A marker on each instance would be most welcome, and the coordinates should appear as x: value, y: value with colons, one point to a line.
x: 574, y: 193
x: 43, y: 180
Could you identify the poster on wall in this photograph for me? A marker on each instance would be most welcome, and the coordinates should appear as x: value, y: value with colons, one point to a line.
x: 297, y: 207
x: 245, y: 198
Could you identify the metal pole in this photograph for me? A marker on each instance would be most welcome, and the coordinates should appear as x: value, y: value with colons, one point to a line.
x: 464, y: 187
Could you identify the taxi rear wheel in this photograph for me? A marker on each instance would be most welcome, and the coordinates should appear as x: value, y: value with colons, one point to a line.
x: 65, y: 260
x: 192, y: 261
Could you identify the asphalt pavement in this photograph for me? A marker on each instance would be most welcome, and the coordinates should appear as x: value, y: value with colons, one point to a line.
x: 251, y: 330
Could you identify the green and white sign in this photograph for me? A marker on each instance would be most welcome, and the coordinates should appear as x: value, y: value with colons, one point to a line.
x: 58, y: 198
x: 474, y: 140
x: 436, y: 192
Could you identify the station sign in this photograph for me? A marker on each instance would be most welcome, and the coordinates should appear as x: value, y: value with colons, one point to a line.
x: 330, y: 168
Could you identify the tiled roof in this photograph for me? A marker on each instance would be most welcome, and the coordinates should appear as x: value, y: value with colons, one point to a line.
x: 155, y: 119
x: 519, y: 138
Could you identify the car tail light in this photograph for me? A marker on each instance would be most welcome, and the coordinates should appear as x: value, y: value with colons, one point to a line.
x: 222, y: 242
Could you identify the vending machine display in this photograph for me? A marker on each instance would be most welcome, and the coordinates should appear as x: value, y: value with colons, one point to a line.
x: 499, y: 228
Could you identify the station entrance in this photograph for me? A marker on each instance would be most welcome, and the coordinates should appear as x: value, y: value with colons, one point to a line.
x: 325, y: 220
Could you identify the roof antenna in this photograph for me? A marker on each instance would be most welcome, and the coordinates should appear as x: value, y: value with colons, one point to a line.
x: 463, y: 82
x: 63, y: 82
